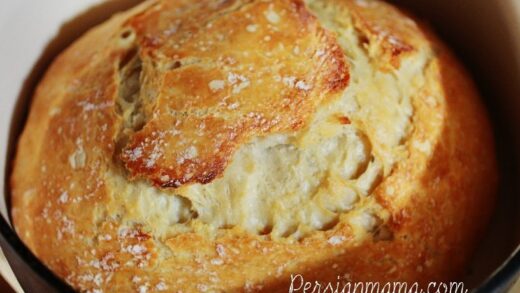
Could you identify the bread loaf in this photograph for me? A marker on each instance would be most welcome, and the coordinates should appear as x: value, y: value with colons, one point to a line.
x: 226, y: 145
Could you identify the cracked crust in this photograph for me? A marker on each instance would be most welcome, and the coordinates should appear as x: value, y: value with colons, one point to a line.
x: 117, y: 187
x: 222, y: 94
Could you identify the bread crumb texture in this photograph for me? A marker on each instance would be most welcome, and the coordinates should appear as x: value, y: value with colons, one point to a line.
x: 224, y: 145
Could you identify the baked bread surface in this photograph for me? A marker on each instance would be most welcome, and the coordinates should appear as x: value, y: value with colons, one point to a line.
x: 225, y: 145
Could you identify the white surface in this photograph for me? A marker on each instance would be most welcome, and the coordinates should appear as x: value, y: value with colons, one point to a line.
x: 7, y: 273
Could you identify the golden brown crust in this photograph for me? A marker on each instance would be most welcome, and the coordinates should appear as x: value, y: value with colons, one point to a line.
x: 432, y: 205
x: 228, y: 93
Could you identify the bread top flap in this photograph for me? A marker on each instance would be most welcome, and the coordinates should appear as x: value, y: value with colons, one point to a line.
x: 215, y: 75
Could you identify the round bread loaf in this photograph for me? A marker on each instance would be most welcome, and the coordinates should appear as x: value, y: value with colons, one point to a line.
x: 227, y: 145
